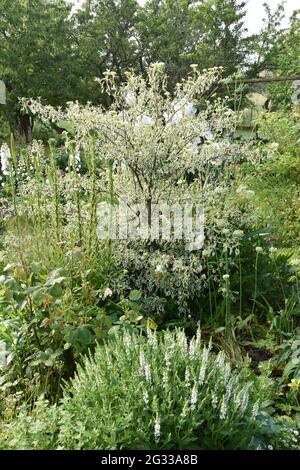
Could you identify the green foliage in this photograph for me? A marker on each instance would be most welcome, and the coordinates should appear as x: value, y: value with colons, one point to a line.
x: 4, y: 127
x: 287, y: 62
x: 135, y: 36
x: 285, y: 367
x: 163, y: 392
x: 65, y: 296
x: 46, y: 325
x: 156, y: 393
x: 35, y: 430
x: 36, y: 38
x: 277, y: 187
x: 283, y: 128
x: 265, y: 45
x: 105, y: 31
x: 278, y: 433
x: 50, y: 53
x: 288, y: 359
x: 219, y: 26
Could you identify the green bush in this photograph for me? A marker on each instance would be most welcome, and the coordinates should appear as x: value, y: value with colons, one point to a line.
x: 276, y: 186
x: 36, y: 430
x: 157, y: 393
x: 283, y: 129
x: 161, y: 392
x: 49, y: 320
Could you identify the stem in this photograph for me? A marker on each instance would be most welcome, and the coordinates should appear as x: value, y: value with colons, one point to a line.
x: 228, y: 316
x: 56, y: 191
x: 209, y: 293
x: 241, y: 285
x: 255, y: 285
x: 79, y: 217
x: 111, y: 197
x: 93, y: 199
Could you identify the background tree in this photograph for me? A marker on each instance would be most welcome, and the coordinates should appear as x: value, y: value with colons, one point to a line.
x: 182, y: 32
x: 49, y: 52
x: 219, y: 34
x: 264, y: 47
x: 105, y: 36
x: 287, y: 63
x: 164, y: 34
x: 37, y: 55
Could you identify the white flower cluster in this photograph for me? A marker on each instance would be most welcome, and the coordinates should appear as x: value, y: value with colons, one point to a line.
x: 153, y: 146
x: 174, y: 404
x: 145, y: 369
x: 157, y: 430
x: 5, y: 158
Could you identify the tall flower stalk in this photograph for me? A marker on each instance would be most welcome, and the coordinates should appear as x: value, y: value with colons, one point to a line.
x: 91, y: 158
x: 53, y: 176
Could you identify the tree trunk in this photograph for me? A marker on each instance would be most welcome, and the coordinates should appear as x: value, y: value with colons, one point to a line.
x: 26, y: 126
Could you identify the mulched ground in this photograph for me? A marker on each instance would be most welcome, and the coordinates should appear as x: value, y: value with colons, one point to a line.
x: 257, y: 355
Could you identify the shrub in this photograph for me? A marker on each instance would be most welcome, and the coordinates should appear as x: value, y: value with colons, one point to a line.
x: 150, y: 147
x: 282, y: 128
x: 276, y: 185
x: 162, y: 392
x: 278, y: 432
x: 36, y: 430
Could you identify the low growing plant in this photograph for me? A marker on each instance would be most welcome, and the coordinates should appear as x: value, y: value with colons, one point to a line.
x: 159, y: 392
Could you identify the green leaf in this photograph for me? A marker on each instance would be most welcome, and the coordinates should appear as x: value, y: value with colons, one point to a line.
x: 84, y: 335
x: 135, y: 295
x: 49, y: 362
x: 38, y: 296
x: 36, y: 267
x: 114, y: 329
x: 139, y: 318
x: 108, y: 321
x: 220, y: 329
x: 55, y: 291
x: 9, y: 266
x: 291, y: 366
x: 67, y: 125
x: 11, y: 284
x: 56, y: 277
x: 41, y: 358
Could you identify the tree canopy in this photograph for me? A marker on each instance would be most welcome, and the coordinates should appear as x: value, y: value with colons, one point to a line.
x: 49, y: 51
